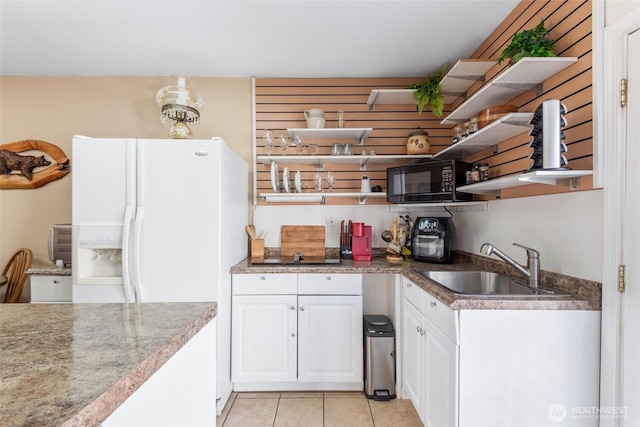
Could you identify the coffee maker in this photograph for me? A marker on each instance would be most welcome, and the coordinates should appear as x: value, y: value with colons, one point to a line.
x: 361, y: 242
x: 432, y: 240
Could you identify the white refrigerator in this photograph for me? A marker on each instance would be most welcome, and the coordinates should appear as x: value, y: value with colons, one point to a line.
x: 159, y: 220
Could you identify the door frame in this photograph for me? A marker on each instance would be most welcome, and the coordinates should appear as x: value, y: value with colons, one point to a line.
x: 614, y: 64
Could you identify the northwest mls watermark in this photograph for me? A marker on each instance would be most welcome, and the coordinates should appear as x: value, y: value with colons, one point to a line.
x: 558, y: 412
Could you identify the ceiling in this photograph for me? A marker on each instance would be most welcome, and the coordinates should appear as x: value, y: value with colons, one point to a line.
x: 242, y: 38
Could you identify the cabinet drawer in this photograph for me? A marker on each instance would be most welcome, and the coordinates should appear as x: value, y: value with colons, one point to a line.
x: 264, y: 284
x: 50, y: 288
x: 441, y: 316
x: 329, y: 284
x: 413, y: 293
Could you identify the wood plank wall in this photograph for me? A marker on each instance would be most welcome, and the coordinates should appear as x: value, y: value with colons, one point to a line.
x: 280, y: 104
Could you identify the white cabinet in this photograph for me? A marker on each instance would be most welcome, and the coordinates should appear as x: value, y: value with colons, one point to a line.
x: 264, y: 337
x: 430, y: 358
x: 50, y: 288
x: 487, y: 368
x: 330, y: 338
x: 297, y: 331
x: 181, y: 393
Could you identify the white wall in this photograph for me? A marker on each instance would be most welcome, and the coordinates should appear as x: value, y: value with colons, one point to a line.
x: 565, y: 228
x: 273, y: 216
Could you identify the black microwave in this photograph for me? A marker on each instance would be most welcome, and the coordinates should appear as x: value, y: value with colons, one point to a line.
x: 432, y: 181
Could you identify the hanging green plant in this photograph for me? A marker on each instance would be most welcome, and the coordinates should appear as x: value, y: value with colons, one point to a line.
x: 533, y: 42
x: 428, y: 92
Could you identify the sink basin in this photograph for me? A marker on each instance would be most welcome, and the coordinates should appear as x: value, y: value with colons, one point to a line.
x: 484, y: 283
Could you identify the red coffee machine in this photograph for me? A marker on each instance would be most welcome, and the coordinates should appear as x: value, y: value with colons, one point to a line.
x: 361, y: 242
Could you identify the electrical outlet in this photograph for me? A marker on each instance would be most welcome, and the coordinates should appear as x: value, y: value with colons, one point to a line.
x: 329, y: 220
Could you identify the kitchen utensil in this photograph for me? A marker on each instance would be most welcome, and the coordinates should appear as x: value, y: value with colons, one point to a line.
x: 387, y: 236
x: 491, y: 114
x: 251, y: 231
x: 275, y: 182
x: 340, y: 119
x: 394, y: 247
x: 306, y: 239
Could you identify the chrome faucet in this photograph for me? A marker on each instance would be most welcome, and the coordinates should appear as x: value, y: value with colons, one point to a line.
x: 532, y: 272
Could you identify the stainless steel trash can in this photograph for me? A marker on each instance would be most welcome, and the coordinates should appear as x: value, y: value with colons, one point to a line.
x: 379, y: 358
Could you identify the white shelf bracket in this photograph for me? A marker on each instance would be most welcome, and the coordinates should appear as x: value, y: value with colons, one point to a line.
x: 574, y: 183
x: 361, y: 200
x: 498, y: 193
x: 363, y: 165
x: 320, y: 166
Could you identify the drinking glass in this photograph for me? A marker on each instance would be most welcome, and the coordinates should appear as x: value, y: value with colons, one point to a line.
x: 313, y: 148
x: 267, y: 137
x: 331, y: 180
x: 284, y: 142
x: 297, y: 142
x: 317, y: 181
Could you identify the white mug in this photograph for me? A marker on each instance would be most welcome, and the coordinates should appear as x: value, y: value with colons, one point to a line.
x: 315, y: 122
x: 313, y: 112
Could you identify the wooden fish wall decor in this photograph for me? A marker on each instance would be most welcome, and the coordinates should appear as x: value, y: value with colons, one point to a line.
x: 17, y: 170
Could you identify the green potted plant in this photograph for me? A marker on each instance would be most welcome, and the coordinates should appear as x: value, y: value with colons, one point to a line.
x: 427, y: 92
x: 533, y: 42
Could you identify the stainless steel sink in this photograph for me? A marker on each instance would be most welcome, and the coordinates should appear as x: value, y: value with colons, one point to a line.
x: 485, y: 283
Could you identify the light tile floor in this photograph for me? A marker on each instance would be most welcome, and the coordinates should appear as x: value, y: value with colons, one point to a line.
x: 310, y: 409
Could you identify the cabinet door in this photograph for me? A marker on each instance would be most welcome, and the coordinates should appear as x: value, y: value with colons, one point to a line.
x: 330, y: 339
x: 263, y: 338
x: 412, y: 356
x: 440, y: 378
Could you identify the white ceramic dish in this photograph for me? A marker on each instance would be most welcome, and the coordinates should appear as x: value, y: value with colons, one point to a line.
x: 286, y: 182
x: 275, y: 182
x: 298, y: 182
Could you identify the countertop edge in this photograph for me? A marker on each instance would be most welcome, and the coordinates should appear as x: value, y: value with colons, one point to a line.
x: 99, y: 410
x: 454, y: 301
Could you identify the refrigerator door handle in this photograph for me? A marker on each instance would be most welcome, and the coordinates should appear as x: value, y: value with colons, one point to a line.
x: 135, y: 258
x: 129, y: 293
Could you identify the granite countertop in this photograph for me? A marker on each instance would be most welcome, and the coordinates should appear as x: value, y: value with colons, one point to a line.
x: 48, y: 268
x: 74, y: 364
x: 584, y: 294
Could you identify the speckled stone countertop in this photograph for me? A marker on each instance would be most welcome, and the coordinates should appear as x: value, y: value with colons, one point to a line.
x: 42, y: 268
x: 584, y: 294
x: 74, y: 364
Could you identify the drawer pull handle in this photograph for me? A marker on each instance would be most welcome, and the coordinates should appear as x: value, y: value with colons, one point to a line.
x: 301, y: 308
x: 56, y: 281
x: 292, y: 334
x: 432, y: 304
x: 419, y: 329
x: 263, y: 278
x: 292, y: 307
x: 408, y: 285
x: 328, y: 277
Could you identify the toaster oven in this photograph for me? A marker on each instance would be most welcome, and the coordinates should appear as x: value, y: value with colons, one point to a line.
x: 59, y: 244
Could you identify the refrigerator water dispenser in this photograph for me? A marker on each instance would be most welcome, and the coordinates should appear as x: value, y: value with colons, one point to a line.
x: 98, y: 254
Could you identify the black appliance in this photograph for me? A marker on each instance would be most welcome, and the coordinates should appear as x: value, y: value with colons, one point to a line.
x: 432, y: 181
x: 432, y: 240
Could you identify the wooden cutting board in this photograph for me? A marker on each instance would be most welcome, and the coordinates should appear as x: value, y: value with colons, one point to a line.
x: 308, y: 239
